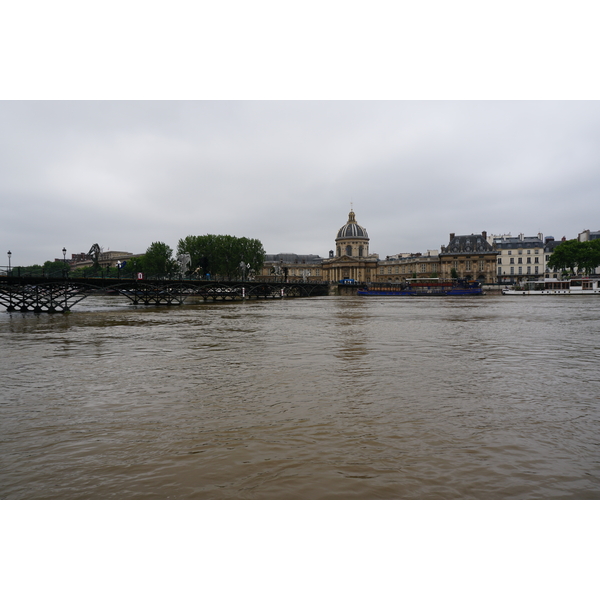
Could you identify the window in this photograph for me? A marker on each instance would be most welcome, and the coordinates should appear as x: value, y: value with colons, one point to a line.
x: 455, y: 264
x: 349, y: 250
x: 509, y: 252
x: 536, y: 260
x: 481, y: 265
x: 381, y: 270
x: 396, y: 269
x: 389, y: 270
x: 537, y: 251
x: 468, y: 265
x: 528, y: 251
x: 520, y: 251
x: 512, y: 261
x: 528, y: 270
x: 512, y: 270
x: 499, y: 270
x: 360, y: 250
x: 520, y: 261
x: 536, y: 270
x: 529, y: 260
x: 520, y: 270
x: 499, y: 260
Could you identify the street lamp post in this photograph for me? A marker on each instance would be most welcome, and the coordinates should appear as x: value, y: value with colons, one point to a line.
x: 64, y: 251
x: 9, y: 255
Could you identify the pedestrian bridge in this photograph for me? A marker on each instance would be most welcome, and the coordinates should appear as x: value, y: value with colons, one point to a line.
x: 52, y: 294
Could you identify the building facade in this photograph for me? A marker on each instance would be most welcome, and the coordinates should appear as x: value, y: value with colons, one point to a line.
x: 351, y: 259
x: 398, y: 268
x: 293, y: 267
x: 469, y: 257
x: 520, y: 258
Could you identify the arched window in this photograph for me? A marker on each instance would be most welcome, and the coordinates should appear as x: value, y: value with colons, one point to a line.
x: 349, y: 250
x: 360, y: 250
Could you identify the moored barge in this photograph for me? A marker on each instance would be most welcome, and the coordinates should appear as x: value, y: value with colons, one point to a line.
x: 423, y: 287
x: 580, y: 286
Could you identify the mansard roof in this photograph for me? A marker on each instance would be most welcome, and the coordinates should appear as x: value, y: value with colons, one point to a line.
x: 516, y: 242
x: 468, y: 244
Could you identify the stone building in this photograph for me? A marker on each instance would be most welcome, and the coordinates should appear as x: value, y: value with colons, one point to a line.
x: 293, y: 267
x: 471, y: 257
x: 351, y: 259
x: 587, y: 236
x: 520, y: 257
x: 395, y: 269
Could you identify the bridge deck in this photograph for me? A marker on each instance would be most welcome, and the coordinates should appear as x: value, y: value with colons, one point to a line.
x: 61, y: 294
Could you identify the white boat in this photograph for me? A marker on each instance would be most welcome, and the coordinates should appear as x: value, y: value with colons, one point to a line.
x: 581, y: 286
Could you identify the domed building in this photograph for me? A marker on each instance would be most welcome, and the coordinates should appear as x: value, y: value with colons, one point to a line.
x: 352, y: 239
x: 351, y: 259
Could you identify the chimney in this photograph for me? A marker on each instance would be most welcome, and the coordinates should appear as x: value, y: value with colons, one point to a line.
x: 451, y: 236
x: 484, y: 235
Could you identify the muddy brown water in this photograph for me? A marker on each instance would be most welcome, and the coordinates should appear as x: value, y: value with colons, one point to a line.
x: 317, y: 398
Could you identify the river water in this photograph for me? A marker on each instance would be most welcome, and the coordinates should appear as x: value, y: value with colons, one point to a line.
x: 316, y: 398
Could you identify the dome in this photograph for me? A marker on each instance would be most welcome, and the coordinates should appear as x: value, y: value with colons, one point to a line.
x: 352, y: 229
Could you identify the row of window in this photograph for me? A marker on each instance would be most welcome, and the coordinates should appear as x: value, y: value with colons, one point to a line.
x: 512, y: 271
x: 481, y: 265
x: 305, y: 272
x: 421, y: 267
x: 520, y: 260
x: 520, y: 271
x: 521, y: 252
x: 349, y: 251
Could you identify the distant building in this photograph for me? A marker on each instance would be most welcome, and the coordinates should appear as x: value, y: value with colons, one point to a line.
x: 351, y: 259
x: 397, y: 268
x: 520, y: 257
x: 105, y: 259
x: 588, y: 236
x: 291, y: 267
x: 470, y: 256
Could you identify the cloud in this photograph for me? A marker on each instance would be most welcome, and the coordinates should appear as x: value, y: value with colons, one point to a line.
x: 125, y: 174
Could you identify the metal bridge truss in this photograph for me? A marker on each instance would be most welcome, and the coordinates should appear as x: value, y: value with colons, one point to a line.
x: 42, y: 295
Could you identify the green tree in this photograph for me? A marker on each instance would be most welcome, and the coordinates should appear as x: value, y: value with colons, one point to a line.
x: 53, y: 268
x: 158, y: 261
x: 222, y: 255
x: 565, y: 256
x: 33, y: 270
x: 589, y: 256
x: 575, y: 255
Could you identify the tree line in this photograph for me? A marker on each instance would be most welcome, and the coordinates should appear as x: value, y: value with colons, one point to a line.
x: 576, y: 256
x: 202, y: 256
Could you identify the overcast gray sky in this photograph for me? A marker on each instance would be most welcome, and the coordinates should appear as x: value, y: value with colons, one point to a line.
x: 125, y: 174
